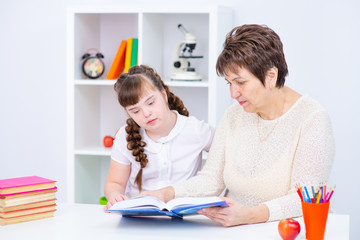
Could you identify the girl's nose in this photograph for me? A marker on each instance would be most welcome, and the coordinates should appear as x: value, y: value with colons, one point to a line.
x: 147, y: 113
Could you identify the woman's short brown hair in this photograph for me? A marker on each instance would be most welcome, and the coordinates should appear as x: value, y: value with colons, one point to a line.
x: 253, y: 47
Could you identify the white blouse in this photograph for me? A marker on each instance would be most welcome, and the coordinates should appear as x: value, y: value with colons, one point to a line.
x: 172, y: 159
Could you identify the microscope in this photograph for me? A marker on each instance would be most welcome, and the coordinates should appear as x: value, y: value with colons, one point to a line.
x: 182, y: 52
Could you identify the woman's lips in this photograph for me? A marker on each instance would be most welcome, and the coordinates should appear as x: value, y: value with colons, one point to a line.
x: 242, y: 102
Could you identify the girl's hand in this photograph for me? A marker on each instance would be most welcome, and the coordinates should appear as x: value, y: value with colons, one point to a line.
x: 236, y: 213
x: 114, y: 198
x: 164, y: 194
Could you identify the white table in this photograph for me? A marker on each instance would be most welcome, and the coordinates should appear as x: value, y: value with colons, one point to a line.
x: 86, y: 221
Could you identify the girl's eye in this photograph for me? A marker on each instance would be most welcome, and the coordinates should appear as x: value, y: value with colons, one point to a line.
x: 135, y: 111
x: 151, y: 103
x: 228, y: 83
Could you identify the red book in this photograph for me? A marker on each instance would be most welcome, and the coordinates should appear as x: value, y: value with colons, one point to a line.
x: 24, y: 184
x: 117, y: 66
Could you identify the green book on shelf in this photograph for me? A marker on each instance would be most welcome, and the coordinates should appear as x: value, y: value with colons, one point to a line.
x: 134, y: 52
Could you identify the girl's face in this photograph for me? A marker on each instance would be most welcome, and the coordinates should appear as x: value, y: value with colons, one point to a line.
x: 248, y: 90
x: 151, y: 110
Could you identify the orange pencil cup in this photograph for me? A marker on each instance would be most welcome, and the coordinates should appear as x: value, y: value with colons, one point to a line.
x: 315, y: 216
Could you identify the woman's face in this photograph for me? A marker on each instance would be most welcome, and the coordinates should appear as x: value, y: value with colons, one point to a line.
x: 151, y: 110
x: 247, y: 90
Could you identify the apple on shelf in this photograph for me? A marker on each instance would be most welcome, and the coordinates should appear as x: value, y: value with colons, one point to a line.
x: 289, y: 229
x: 108, y: 141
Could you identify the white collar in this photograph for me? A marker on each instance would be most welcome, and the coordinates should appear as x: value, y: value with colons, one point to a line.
x: 153, y: 146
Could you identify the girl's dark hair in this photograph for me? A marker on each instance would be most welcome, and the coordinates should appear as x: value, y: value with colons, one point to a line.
x: 256, y: 48
x: 129, y: 88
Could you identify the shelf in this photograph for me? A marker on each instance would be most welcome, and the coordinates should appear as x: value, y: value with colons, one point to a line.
x: 93, y: 108
x: 94, y: 82
x: 171, y: 83
x: 86, y: 82
x: 93, y: 151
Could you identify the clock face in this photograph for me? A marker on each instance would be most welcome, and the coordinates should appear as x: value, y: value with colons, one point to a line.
x: 93, y: 67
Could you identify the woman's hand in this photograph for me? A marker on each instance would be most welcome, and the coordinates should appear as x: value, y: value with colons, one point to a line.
x: 236, y: 213
x: 164, y: 194
x: 114, y: 198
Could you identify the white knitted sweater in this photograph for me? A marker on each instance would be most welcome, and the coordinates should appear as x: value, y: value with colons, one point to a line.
x: 300, y: 149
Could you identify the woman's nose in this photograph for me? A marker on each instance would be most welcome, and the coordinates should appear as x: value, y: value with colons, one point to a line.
x: 234, y: 92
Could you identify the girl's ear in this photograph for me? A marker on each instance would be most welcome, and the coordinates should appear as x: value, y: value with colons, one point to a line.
x: 271, y: 77
x: 163, y: 92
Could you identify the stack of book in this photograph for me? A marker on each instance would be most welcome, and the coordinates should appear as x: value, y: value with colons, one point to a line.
x: 126, y: 57
x: 26, y: 198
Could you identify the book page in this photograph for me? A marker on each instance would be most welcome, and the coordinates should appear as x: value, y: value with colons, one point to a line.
x: 139, y: 202
x: 191, y: 201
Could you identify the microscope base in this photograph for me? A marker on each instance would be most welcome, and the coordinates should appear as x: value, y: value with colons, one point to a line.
x: 185, y: 76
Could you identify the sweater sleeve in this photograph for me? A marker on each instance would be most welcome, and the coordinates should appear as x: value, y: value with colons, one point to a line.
x: 209, y: 181
x: 312, y: 164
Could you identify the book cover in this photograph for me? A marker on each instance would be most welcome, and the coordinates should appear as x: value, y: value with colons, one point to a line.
x: 28, y: 211
x: 128, y: 54
x: 178, y: 207
x: 5, y: 221
x: 27, y: 206
x: 24, y: 184
x: 25, y: 200
x: 118, y: 65
x: 30, y: 193
x: 134, y: 52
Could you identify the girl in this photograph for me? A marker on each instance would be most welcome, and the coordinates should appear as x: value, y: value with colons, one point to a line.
x: 159, y: 145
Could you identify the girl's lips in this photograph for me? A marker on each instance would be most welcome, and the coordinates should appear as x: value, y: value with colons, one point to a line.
x: 242, y: 102
x: 151, y: 121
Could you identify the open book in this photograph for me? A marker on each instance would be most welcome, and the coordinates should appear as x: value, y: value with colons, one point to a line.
x: 178, y: 207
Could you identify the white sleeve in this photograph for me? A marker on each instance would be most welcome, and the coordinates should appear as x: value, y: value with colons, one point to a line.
x: 209, y: 181
x: 119, y: 152
x: 205, y: 133
x: 312, y: 165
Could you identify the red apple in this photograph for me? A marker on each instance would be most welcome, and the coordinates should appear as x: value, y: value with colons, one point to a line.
x: 289, y: 229
x: 108, y: 141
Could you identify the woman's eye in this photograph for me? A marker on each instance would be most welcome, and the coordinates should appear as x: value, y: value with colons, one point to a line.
x: 151, y: 103
x: 136, y: 111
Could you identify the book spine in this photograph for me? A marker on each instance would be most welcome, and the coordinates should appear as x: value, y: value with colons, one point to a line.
x: 34, y: 191
x: 118, y: 65
x: 134, y: 52
x: 128, y: 54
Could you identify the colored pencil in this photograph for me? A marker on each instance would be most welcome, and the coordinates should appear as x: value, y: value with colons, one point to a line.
x: 307, y: 194
x: 313, y: 192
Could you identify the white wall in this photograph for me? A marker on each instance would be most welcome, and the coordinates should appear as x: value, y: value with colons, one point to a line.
x: 322, y: 47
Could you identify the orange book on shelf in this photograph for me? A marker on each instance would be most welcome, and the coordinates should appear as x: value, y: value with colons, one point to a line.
x: 128, y: 54
x: 118, y: 65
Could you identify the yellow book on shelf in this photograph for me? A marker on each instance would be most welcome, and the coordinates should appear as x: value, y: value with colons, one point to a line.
x: 128, y: 54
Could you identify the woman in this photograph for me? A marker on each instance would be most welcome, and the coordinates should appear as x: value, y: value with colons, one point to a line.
x: 270, y: 140
x: 159, y: 145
